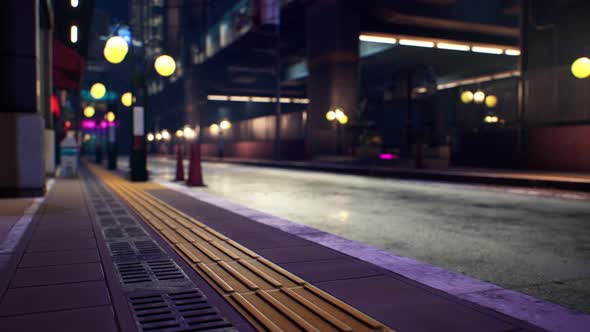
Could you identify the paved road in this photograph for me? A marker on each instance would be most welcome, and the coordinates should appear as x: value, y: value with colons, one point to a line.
x: 537, y: 245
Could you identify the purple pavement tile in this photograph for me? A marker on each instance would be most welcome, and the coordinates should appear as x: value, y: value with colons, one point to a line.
x: 61, y: 244
x: 52, y: 298
x: 270, y: 238
x: 98, y: 319
x: 59, y: 274
x: 59, y: 257
x: 4, y: 260
x: 309, y: 252
x: 333, y: 269
x: 405, y: 307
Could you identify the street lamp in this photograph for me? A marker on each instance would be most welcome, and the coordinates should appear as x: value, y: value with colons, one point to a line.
x: 127, y: 99
x: 491, y: 101
x: 110, y: 117
x: 89, y: 111
x: 115, y: 49
x: 165, y: 135
x: 165, y: 65
x: 341, y: 119
x: 150, y: 137
x: 98, y: 90
x: 467, y: 97
x: 581, y: 68
x: 479, y: 96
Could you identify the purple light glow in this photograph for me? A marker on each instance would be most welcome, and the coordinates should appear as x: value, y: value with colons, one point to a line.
x: 103, y: 124
x: 88, y: 124
x: 388, y: 156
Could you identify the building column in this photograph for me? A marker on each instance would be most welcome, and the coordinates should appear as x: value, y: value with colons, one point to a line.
x: 22, y: 171
x: 333, y: 28
x: 555, y: 104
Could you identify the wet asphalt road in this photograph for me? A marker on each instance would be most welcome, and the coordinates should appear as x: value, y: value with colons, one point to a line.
x: 535, y: 244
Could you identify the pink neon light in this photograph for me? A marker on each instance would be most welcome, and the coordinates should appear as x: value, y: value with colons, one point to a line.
x: 103, y: 124
x: 388, y: 156
x: 88, y: 124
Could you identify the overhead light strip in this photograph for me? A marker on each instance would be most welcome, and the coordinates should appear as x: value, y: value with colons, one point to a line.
x: 416, y: 43
x: 257, y: 99
x: 378, y: 39
x: 443, y: 45
x: 487, y: 50
x: 454, y: 47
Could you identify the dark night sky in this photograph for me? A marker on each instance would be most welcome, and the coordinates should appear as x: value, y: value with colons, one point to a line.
x: 118, y: 9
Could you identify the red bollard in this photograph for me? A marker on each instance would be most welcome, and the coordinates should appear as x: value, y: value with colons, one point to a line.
x: 195, y: 175
x: 179, y: 165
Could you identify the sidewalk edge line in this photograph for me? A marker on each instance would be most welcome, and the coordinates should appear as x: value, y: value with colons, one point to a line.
x: 22, y: 224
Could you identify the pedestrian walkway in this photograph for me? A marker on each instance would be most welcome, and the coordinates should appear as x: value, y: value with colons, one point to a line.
x: 537, y: 179
x: 279, y: 281
x: 70, y: 272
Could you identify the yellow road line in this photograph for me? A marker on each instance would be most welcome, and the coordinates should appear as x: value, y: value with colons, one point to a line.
x: 271, y: 298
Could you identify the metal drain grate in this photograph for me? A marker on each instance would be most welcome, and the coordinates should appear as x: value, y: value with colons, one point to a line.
x: 119, y: 249
x: 148, y: 248
x: 176, y: 312
x: 163, y: 272
x: 107, y: 222
x: 134, y: 232
x: 126, y: 221
x: 113, y: 233
x: 132, y: 273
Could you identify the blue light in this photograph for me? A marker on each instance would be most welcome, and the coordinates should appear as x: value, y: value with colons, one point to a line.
x: 125, y: 33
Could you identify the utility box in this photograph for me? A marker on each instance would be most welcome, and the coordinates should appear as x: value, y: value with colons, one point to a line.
x: 68, y: 150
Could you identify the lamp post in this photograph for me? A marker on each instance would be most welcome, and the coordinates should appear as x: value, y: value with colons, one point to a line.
x: 338, y: 116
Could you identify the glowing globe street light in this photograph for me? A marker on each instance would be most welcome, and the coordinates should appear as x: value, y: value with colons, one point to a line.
x: 214, y: 129
x: 330, y: 116
x: 165, y: 65
x: 343, y: 119
x: 467, y: 97
x: 225, y: 125
x: 179, y: 133
x: 110, y: 117
x: 115, y: 49
x: 581, y: 68
x: 89, y: 111
x: 479, y: 96
x: 150, y: 137
x: 98, y: 90
x: 127, y: 99
x: 165, y: 135
x: 491, y: 101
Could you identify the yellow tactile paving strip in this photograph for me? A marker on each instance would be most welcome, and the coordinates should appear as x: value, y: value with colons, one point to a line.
x: 271, y: 298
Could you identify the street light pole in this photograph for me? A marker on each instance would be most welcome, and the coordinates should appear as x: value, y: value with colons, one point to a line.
x: 138, y: 158
x: 277, y: 153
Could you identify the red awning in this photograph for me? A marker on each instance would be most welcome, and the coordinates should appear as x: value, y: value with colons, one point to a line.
x: 68, y: 67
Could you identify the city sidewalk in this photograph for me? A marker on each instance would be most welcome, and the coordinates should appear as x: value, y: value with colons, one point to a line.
x: 70, y: 271
x: 517, y: 178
